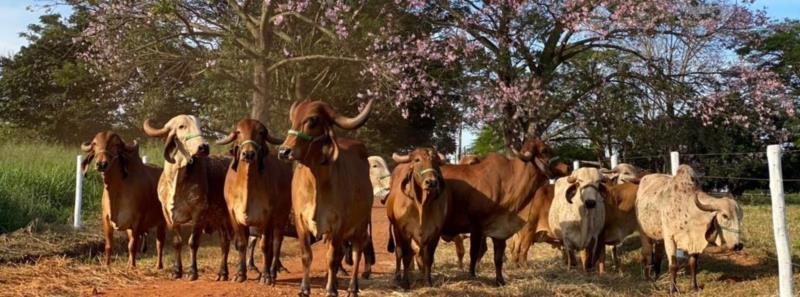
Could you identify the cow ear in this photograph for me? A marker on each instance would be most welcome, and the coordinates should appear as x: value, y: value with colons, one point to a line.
x: 169, y: 148
x: 86, y: 161
x: 330, y: 150
x: 235, y: 153
x: 712, y: 228
x: 407, y: 184
x: 571, y: 191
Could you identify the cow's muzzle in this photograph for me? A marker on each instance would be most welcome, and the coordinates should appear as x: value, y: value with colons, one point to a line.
x: 284, y: 153
x: 590, y: 204
x: 249, y: 156
x: 203, y: 150
x: 738, y: 247
x: 431, y: 184
x: 101, y: 166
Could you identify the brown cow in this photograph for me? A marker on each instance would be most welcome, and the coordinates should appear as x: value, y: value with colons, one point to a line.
x: 492, y: 193
x: 191, y: 189
x: 130, y: 201
x: 257, y: 193
x: 418, y: 205
x: 331, y: 189
x: 537, y: 227
x: 620, y: 219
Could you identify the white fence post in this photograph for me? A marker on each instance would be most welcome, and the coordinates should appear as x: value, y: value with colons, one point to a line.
x: 779, y: 220
x: 575, y: 165
x: 614, y: 160
x: 144, y: 159
x: 674, y: 161
x: 76, y: 223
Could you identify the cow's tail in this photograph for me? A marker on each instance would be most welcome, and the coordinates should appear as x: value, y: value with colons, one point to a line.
x: 369, y: 251
x: 390, y: 245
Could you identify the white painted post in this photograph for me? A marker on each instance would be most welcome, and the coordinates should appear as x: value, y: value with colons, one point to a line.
x: 614, y: 160
x: 674, y: 159
x: 144, y: 159
x: 575, y: 165
x: 779, y: 220
x: 76, y: 223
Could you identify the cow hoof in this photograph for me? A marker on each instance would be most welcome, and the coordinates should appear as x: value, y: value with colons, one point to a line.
x: 333, y: 293
x: 222, y: 277
x: 177, y: 275
x: 267, y: 280
x: 352, y: 293
x: 365, y: 275
x: 252, y: 267
x: 304, y: 294
x: 673, y: 289
x: 193, y: 277
x: 240, y: 278
x: 500, y: 282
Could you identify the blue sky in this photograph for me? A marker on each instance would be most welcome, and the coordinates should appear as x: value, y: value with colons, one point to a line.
x: 16, y: 15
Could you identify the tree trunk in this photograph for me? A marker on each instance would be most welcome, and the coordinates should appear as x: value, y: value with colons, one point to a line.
x: 258, y: 109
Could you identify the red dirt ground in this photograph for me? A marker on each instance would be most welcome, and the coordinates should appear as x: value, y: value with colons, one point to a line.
x: 288, y: 284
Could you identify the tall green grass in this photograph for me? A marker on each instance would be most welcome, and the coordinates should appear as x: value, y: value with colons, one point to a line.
x: 37, y: 180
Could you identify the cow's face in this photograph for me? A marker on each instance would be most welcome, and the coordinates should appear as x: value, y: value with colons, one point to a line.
x: 423, y: 182
x: 380, y: 177
x: 728, y: 220
x: 623, y: 173
x: 109, y: 151
x: 311, y: 137
x: 183, y: 139
x: 541, y: 155
x: 586, y: 188
x: 249, y: 138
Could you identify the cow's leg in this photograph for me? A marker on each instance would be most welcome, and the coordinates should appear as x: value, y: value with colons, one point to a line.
x: 225, y: 246
x: 671, y: 250
x: 601, y: 258
x: 369, y: 258
x: 267, y: 252
x: 308, y: 256
x: 499, y: 252
x: 615, y: 257
x: 475, y: 252
x: 335, y: 254
x: 133, y: 247
x: 194, y: 244
x: 241, y: 235
x: 108, y: 234
x: 357, y: 251
x: 407, y: 253
x: 143, y: 241
x: 161, y: 236
x: 458, y: 240
x: 428, y: 250
x: 647, y: 256
x: 251, y: 249
x: 693, y: 270
x: 177, y: 244
x: 657, y: 258
x: 277, y: 243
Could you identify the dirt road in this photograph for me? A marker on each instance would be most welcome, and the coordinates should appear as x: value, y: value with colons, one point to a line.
x: 288, y: 284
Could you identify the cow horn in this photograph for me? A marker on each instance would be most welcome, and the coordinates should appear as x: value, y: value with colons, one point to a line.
x: 590, y: 164
x: 86, y: 146
x: 133, y: 147
x: 154, y: 132
x: 291, y: 111
x: 355, y: 122
x: 702, y: 206
x: 608, y: 171
x: 400, y: 158
x: 228, y: 139
x: 571, y: 179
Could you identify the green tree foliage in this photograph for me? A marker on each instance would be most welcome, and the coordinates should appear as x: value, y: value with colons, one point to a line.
x: 47, y: 89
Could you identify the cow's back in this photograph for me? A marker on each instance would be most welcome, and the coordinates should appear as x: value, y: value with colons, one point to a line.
x: 649, y: 203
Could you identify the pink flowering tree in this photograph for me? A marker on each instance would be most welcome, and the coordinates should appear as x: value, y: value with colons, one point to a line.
x: 521, y: 57
x: 228, y: 39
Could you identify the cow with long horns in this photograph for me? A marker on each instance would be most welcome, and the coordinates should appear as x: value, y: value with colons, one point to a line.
x: 331, y: 190
x: 191, y: 189
x: 674, y: 210
x: 258, y: 194
x: 129, y: 200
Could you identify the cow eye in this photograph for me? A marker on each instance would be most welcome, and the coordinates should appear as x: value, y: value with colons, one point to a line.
x: 182, y: 127
x: 312, y: 122
x: 724, y: 216
x: 417, y: 160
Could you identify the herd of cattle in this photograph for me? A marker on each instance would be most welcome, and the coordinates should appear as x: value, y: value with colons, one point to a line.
x: 319, y: 187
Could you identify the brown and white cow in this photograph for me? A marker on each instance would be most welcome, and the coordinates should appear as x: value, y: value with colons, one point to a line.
x: 491, y: 194
x: 674, y: 210
x: 258, y: 194
x: 191, y: 189
x: 130, y: 201
x: 331, y: 190
x: 418, y: 205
